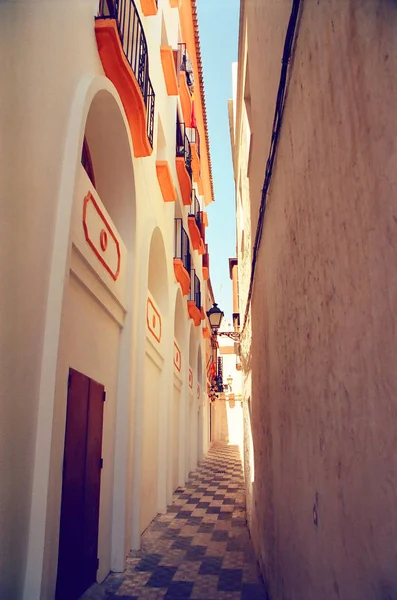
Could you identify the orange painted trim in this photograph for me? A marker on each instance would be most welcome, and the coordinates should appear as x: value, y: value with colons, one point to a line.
x: 118, y: 70
x: 165, y: 180
x: 152, y: 331
x: 114, y: 274
x: 202, y: 314
x: 177, y: 357
x: 168, y: 63
x: 195, y: 235
x: 206, y: 273
x: 149, y: 7
x: 205, y: 218
x: 174, y: 3
x: 185, y: 182
x: 182, y: 276
x: 186, y: 99
x: 194, y: 312
x: 206, y: 333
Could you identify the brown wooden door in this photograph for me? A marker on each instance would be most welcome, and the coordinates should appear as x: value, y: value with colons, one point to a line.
x: 78, y: 536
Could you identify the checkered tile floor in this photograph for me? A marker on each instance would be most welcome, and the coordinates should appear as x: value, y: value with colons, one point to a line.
x: 201, y: 547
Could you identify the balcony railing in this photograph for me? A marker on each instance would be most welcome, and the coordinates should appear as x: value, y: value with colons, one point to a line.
x: 133, y: 42
x: 196, y: 211
x: 183, y: 146
x: 219, y: 378
x: 185, y: 64
x: 195, y: 289
x: 182, y: 245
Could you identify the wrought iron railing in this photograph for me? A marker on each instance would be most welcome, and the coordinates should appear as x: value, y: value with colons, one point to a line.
x: 183, y: 146
x: 195, y: 289
x: 195, y: 210
x: 133, y: 42
x: 219, y: 377
x: 182, y: 245
x: 185, y: 64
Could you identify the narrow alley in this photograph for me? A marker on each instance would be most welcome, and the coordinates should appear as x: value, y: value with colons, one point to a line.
x: 201, y: 547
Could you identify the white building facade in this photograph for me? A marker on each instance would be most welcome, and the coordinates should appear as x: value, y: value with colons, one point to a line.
x: 104, y: 409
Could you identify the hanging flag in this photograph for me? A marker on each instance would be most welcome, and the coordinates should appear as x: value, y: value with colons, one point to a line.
x: 193, y: 116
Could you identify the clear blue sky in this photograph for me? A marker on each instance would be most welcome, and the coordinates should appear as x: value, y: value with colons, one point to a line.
x: 218, y: 27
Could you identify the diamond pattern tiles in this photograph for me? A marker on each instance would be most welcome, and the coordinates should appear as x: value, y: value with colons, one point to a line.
x: 201, y: 547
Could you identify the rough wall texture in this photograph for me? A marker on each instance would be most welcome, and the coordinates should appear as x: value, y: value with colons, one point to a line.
x: 324, y: 375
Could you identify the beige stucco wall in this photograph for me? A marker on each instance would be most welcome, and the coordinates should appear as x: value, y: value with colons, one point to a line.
x: 322, y: 361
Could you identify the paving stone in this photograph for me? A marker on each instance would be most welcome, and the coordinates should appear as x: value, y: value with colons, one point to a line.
x: 253, y: 591
x: 179, y: 590
x: 220, y: 536
x: 210, y: 565
x: 187, y: 571
x: 230, y: 579
x: 161, y: 577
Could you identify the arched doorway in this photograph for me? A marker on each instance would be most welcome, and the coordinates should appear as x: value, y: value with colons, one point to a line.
x: 191, y: 449
x: 154, y: 463
x: 94, y: 334
x: 179, y: 384
x: 200, y: 405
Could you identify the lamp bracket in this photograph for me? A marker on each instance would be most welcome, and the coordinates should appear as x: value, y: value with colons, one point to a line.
x: 233, y: 335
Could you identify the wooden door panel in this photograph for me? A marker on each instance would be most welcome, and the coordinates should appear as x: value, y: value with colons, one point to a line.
x: 93, y: 479
x: 70, y: 580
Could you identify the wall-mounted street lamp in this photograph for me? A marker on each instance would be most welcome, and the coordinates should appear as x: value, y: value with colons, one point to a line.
x: 215, y: 316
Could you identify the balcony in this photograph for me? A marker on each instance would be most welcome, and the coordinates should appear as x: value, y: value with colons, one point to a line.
x: 169, y: 70
x: 206, y: 333
x: 183, y: 163
x: 166, y: 183
x: 123, y: 51
x: 206, y: 264
x: 149, y: 7
x: 186, y: 83
x: 194, y: 302
x: 196, y: 225
x: 182, y: 259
